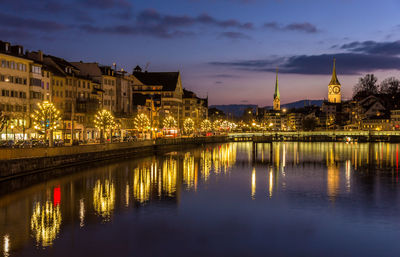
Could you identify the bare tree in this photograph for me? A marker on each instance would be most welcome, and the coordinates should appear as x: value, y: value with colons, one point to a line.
x: 390, y: 86
x: 366, y: 86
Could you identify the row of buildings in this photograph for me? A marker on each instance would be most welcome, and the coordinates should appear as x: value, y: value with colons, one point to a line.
x: 79, y: 89
x: 369, y: 113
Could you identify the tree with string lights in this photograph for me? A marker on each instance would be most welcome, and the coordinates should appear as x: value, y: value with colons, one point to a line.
x: 104, y: 120
x: 169, y: 122
x: 142, y: 123
x: 188, y: 126
x: 206, y: 126
x: 46, y: 119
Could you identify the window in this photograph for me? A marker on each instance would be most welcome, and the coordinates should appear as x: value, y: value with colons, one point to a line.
x: 36, y: 69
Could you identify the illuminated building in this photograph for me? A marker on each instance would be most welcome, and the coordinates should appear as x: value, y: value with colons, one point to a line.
x: 277, y: 96
x: 334, y: 92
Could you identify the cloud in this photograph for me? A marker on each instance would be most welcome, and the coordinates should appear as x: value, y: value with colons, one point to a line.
x: 372, y: 47
x: 152, y: 23
x: 153, y: 17
x: 157, y: 31
x: 29, y: 23
x: 301, y: 27
x: 219, y: 82
x: 107, y: 3
x: 234, y: 35
x: 347, y: 63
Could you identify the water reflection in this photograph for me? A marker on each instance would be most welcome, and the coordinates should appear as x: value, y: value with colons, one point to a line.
x: 330, y: 172
x: 205, y: 164
x: 45, y: 223
x: 169, y: 176
x: 6, y: 247
x: 189, y: 176
x: 81, y: 213
x: 104, y: 198
x: 142, y: 184
x: 253, y: 184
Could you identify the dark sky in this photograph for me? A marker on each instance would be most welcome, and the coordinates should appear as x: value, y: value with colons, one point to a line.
x: 226, y: 48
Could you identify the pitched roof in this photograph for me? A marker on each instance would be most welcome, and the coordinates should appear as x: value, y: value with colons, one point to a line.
x: 188, y: 94
x: 276, y: 94
x: 88, y: 69
x: 334, y: 80
x: 168, y: 80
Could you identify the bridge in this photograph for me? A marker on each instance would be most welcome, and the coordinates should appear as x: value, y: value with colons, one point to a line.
x: 317, y: 136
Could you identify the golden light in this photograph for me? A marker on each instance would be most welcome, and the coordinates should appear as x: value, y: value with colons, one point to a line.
x: 104, y: 198
x: 169, y: 176
x: 142, y: 184
x: 104, y: 120
x: 188, y: 126
x: 45, y: 223
x: 46, y: 117
x: 141, y: 122
x: 206, y: 126
x: 6, y: 249
x: 188, y: 170
x: 205, y: 165
x: 81, y: 213
x: 253, y: 184
x: 169, y: 122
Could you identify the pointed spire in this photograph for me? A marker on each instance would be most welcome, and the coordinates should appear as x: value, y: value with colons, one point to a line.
x: 276, y: 94
x: 334, y: 80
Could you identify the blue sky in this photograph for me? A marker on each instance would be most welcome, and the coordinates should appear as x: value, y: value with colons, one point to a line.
x: 226, y: 48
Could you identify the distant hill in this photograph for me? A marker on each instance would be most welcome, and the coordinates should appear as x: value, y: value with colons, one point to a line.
x: 235, y: 109
x: 238, y: 109
x: 302, y: 103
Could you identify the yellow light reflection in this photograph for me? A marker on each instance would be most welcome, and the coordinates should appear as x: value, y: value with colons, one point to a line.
x: 127, y: 195
x: 169, y: 176
x: 104, y: 198
x: 205, y: 164
x: 253, y: 184
x: 348, y: 175
x: 81, y: 213
x: 271, y: 182
x: 188, y: 170
x: 224, y: 157
x: 332, y: 181
x: 141, y: 184
x: 45, y: 223
x: 6, y: 249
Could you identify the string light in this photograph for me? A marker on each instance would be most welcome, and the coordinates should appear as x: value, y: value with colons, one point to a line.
x: 46, y: 117
x: 169, y: 122
x: 104, y: 120
x: 188, y: 126
x: 206, y: 126
x: 142, y: 122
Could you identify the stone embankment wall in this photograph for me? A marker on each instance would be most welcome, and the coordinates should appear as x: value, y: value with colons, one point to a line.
x: 19, y: 162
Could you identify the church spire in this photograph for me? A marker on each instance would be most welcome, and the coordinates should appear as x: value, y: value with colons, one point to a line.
x: 276, y: 94
x: 334, y: 80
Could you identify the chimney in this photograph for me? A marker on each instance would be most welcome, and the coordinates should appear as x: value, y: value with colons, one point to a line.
x: 40, y: 56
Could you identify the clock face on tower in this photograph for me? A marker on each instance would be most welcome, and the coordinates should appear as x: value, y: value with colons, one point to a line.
x: 336, y: 90
x: 330, y: 90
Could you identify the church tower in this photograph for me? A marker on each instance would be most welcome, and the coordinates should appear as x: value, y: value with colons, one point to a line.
x: 334, y: 94
x: 277, y: 96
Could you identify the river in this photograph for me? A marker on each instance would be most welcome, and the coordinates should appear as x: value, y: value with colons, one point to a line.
x: 284, y: 199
